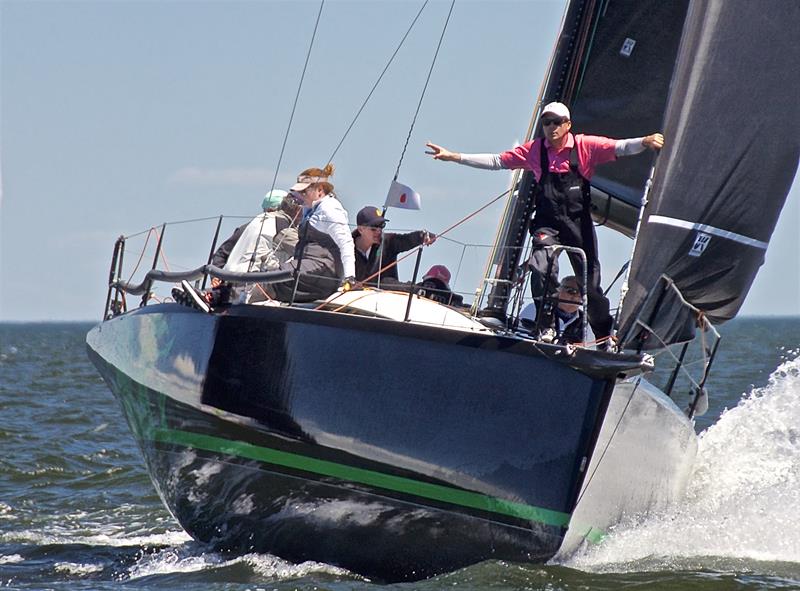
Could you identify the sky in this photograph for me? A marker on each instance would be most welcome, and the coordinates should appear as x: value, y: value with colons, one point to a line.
x: 118, y: 116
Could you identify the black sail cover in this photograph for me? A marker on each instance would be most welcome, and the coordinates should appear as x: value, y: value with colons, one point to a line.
x: 732, y: 133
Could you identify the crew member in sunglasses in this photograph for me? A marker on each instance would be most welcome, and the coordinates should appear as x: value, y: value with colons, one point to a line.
x: 564, y: 324
x: 562, y: 163
x: 376, y: 249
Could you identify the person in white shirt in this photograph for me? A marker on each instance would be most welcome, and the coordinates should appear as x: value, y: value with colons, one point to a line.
x: 324, y: 256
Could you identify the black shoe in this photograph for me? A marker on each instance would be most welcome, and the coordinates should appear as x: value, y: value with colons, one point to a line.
x: 179, y: 296
x: 195, y: 298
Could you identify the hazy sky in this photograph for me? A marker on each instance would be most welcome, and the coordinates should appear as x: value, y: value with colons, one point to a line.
x: 117, y: 116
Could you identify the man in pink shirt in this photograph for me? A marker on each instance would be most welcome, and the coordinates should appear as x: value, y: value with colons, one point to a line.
x: 562, y: 164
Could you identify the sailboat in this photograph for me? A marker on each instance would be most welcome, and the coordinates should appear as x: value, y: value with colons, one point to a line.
x: 482, y: 442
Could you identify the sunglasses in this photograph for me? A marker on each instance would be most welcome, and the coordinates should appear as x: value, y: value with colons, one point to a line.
x: 553, y: 121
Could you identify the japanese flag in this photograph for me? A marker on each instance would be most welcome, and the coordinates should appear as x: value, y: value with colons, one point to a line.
x: 403, y: 197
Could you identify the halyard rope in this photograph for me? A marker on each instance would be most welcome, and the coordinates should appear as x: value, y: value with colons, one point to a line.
x: 288, y: 129
x: 405, y: 256
x: 374, y: 86
x: 422, y: 96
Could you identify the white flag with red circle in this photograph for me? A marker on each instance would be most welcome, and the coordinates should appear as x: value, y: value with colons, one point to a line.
x: 403, y: 197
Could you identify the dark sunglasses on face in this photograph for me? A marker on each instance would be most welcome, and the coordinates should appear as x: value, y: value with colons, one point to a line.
x: 553, y: 121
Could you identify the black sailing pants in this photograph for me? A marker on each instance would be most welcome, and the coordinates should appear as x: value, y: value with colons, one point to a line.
x: 569, y: 232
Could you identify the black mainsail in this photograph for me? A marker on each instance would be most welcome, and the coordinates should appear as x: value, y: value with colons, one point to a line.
x: 732, y: 143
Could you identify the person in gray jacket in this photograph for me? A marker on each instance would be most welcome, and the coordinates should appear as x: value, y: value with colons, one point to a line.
x: 324, y: 257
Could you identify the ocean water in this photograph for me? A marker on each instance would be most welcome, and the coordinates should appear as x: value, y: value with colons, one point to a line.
x: 77, y: 510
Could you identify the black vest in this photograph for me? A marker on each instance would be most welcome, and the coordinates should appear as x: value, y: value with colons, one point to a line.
x: 319, y: 247
x: 561, y: 194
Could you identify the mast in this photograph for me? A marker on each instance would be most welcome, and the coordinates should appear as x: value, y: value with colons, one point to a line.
x: 513, y: 232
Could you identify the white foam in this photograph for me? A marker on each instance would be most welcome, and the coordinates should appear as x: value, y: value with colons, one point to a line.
x: 74, y: 568
x: 271, y: 566
x: 56, y: 536
x: 10, y: 558
x: 183, y: 559
x: 742, y: 499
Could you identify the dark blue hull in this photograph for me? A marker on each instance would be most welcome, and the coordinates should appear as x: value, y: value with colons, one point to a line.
x: 393, y: 450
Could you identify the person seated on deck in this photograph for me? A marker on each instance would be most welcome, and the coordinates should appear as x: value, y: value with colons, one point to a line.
x: 261, y: 244
x: 266, y: 241
x: 271, y: 202
x: 376, y: 249
x: 435, y: 285
x: 565, y: 325
x: 324, y: 255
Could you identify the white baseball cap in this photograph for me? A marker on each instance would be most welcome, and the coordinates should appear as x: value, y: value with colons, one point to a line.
x: 559, y: 109
x: 305, y: 181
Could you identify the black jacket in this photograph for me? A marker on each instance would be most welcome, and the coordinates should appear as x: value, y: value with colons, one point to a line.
x: 393, y: 244
x: 573, y: 332
x: 224, y: 251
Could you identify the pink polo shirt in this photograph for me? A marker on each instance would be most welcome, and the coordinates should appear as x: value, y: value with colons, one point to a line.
x: 592, y: 151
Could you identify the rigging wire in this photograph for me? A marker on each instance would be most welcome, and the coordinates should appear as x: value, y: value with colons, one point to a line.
x: 297, y: 95
x: 288, y: 129
x: 460, y: 262
x: 608, y: 443
x: 424, y: 89
x: 408, y: 254
x: 176, y: 223
x: 374, y: 86
x: 669, y: 350
x: 150, y: 232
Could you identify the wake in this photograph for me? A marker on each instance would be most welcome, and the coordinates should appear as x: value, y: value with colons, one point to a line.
x: 742, y: 499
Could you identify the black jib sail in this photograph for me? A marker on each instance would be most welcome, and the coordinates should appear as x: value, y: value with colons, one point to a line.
x: 732, y: 143
x: 619, y: 88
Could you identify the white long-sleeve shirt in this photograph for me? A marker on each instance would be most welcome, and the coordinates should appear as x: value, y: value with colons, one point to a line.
x: 330, y: 217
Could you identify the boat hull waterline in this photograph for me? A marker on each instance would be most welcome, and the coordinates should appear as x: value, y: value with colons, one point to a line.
x: 397, y: 452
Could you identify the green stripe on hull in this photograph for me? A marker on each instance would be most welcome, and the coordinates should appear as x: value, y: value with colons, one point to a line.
x: 369, y: 477
x: 595, y: 536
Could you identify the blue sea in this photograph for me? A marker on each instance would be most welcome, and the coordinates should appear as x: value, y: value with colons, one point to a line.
x: 78, y: 511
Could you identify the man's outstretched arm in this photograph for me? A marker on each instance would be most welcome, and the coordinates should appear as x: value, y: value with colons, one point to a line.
x: 485, y: 161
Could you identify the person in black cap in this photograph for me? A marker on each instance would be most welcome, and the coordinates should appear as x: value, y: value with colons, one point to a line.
x: 375, y: 250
